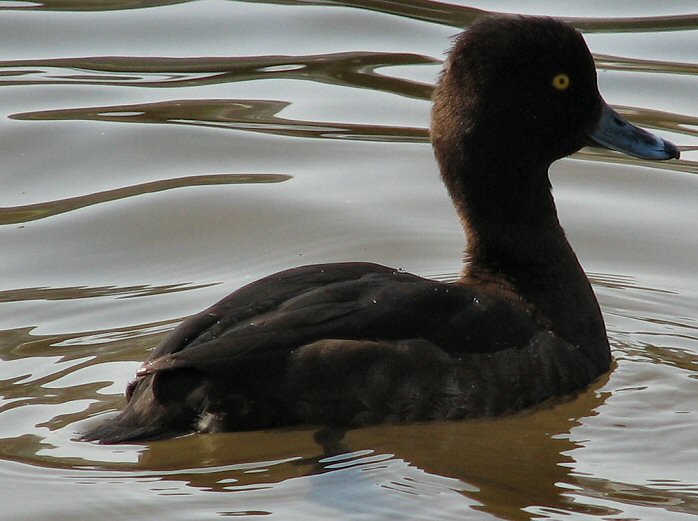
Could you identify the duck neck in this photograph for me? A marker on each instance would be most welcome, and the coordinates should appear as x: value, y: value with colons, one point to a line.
x: 517, y: 248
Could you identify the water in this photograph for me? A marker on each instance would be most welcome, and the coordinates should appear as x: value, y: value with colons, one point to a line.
x: 158, y: 155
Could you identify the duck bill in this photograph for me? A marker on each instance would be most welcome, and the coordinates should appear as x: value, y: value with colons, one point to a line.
x: 615, y: 132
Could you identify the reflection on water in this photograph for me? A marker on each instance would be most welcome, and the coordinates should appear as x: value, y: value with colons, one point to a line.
x: 249, y: 115
x: 20, y: 214
x: 87, y: 5
x: 352, y: 69
x: 422, y: 10
x: 356, y: 70
x: 113, y: 233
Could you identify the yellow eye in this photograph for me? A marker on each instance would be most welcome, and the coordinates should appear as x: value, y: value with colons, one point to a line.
x: 561, y: 81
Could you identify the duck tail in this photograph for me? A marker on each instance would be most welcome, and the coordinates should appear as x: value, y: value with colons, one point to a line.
x: 145, y: 417
x: 119, y: 431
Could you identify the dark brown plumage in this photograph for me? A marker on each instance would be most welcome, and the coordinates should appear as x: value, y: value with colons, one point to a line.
x: 357, y: 343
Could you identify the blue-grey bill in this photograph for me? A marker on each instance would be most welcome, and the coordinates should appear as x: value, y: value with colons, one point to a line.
x: 617, y: 133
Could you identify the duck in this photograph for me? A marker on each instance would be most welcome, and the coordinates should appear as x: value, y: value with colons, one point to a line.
x: 353, y: 344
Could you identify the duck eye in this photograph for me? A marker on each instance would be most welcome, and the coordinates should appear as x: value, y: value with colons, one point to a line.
x: 561, y: 81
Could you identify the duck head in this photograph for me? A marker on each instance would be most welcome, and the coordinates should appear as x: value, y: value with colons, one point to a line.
x: 517, y: 93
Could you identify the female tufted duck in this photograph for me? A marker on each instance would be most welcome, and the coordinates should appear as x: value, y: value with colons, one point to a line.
x: 356, y: 343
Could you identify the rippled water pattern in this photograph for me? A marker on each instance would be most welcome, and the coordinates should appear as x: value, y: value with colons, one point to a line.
x: 157, y: 155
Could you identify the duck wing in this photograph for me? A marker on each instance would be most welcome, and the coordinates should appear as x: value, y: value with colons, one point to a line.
x: 356, y: 301
x: 257, y: 298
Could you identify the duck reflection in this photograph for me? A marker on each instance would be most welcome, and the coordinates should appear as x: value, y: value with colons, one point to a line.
x: 509, y: 467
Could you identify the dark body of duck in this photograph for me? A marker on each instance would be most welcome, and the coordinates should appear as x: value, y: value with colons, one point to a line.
x: 357, y: 343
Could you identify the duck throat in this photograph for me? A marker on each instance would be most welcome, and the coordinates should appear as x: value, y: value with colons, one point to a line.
x: 517, y: 249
